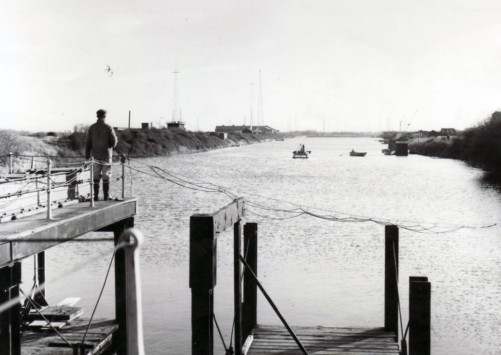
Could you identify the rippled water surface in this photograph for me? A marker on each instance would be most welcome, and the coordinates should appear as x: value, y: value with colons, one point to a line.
x: 319, y: 272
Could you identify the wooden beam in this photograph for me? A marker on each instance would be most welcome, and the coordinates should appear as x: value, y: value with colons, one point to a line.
x: 227, y: 216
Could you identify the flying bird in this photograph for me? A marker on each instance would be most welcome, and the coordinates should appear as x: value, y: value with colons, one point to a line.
x: 108, y: 69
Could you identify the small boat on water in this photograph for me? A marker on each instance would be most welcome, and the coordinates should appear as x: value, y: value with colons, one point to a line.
x: 357, y: 154
x: 301, y: 153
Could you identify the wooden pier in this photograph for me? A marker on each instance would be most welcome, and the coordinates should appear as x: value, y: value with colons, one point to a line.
x: 32, y: 236
x: 250, y: 337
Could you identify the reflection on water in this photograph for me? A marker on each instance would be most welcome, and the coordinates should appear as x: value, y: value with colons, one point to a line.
x: 319, y: 272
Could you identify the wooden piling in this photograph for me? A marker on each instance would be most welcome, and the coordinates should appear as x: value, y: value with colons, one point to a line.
x: 10, y: 326
x: 419, y: 316
x: 203, y: 254
x: 249, y: 309
x: 237, y: 287
x: 391, y: 280
x: 39, y: 296
x: 121, y: 287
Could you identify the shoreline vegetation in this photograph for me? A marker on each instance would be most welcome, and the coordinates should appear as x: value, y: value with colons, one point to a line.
x: 478, y: 146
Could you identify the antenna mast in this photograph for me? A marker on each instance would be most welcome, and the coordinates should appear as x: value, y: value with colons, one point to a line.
x: 260, y: 116
x: 251, y: 101
x: 175, y: 99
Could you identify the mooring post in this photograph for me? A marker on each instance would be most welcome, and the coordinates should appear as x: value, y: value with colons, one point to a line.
x: 203, y: 254
x: 132, y: 240
x: 237, y: 286
x: 39, y: 295
x: 249, y: 310
x: 120, y: 337
x: 10, y: 326
x: 419, y: 316
x: 391, y: 280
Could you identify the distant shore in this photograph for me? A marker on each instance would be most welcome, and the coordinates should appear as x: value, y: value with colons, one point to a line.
x: 134, y: 143
x: 479, y: 146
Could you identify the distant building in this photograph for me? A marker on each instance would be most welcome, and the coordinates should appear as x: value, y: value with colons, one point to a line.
x: 245, y: 129
x: 219, y: 135
x: 146, y: 125
x: 176, y: 125
x: 448, y: 132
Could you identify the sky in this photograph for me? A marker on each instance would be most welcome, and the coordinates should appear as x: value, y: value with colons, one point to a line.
x: 326, y: 65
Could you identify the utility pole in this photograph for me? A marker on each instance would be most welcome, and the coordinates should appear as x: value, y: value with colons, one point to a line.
x: 129, y: 120
x: 175, y: 98
x: 260, y: 114
x: 251, y: 101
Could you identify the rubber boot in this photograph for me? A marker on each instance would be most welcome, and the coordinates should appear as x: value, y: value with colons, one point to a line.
x: 106, y: 190
x: 96, y: 190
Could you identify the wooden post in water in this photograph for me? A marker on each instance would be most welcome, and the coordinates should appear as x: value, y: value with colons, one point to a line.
x: 250, y: 287
x: 10, y: 326
x: 133, y: 239
x: 391, y: 280
x: 203, y: 254
x: 419, y: 316
x: 39, y: 295
x: 120, y: 337
x: 237, y: 287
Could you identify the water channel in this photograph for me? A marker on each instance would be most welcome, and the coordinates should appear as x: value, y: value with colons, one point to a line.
x: 318, y: 271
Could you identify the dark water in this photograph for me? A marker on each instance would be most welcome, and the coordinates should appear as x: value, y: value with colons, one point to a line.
x: 319, y: 272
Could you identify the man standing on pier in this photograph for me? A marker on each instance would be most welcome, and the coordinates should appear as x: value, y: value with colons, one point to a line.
x: 101, y: 139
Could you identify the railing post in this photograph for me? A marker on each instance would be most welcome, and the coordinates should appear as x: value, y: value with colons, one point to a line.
x: 203, y: 254
x: 391, y: 280
x: 237, y: 284
x: 132, y: 240
x: 49, y: 210
x: 250, y: 286
x: 10, y: 162
x: 419, y: 316
x: 91, y: 179
x: 122, y: 160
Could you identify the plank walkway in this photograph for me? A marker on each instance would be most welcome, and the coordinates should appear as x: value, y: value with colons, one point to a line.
x: 32, y: 234
x: 323, y: 340
x: 98, y: 339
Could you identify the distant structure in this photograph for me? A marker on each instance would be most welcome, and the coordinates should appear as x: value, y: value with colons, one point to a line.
x: 146, y: 125
x: 448, y: 132
x: 176, y: 125
x: 246, y: 129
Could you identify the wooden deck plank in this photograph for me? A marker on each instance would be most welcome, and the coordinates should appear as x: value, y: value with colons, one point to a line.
x: 323, y: 340
x: 98, y: 339
x: 30, y: 235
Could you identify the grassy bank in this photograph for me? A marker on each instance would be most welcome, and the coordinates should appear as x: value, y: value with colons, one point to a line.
x: 160, y: 142
x: 133, y: 143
